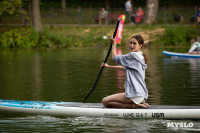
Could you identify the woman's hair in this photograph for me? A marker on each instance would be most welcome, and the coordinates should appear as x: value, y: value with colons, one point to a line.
x: 140, y: 40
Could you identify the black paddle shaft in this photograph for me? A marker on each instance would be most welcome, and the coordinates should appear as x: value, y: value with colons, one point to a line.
x: 95, y: 84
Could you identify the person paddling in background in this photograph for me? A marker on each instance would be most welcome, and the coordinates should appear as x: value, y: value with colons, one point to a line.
x: 134, y: 65
x: 195, y: 47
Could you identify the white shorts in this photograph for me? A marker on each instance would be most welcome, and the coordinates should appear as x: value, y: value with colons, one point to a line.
x: 137, y: 100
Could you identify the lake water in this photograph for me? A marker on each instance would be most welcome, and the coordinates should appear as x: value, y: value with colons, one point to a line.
x: 69, y: 74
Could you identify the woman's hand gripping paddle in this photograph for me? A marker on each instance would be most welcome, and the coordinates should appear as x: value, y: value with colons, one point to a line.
x: 114, y: 34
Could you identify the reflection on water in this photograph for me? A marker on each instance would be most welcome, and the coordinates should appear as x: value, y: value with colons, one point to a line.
x: 89, y: 124
x: 181, y: 76
x: 154, y: 76
x: 120, y: 76
x: 69, y: 74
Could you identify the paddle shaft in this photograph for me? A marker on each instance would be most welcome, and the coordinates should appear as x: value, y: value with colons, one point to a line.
x: 95, y: 84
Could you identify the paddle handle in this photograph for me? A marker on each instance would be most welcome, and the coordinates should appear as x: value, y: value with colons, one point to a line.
x: 110, y: 48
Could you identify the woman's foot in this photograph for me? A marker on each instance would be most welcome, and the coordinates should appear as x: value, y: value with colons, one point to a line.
x: 147, y: 104
x: 141, y: 105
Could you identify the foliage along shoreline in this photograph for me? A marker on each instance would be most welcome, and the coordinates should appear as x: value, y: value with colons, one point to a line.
x: 95, y: 36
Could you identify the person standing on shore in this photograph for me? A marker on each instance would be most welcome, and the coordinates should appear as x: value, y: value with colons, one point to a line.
x: 198, y: 15
x: 129, y: 10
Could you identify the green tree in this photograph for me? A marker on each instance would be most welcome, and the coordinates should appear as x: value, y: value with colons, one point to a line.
x: 10, y: 6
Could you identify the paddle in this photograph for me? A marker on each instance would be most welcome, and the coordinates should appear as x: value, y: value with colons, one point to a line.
x: 95, y: 84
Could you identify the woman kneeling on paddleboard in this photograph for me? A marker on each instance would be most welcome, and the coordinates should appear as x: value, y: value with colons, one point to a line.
x: 134, y: 64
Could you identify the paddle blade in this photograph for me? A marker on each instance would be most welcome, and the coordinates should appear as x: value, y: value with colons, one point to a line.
x: 120, y: 29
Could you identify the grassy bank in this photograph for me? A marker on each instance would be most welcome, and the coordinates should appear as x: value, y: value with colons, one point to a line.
x: 94, y: 36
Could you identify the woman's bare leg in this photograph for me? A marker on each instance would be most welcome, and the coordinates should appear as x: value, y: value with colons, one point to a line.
x: 118, y: 101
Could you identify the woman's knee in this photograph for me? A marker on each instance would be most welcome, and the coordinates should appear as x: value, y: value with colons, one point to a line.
x: 105, y: 101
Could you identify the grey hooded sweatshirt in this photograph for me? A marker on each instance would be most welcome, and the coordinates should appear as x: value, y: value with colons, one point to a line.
x: 135, y: 66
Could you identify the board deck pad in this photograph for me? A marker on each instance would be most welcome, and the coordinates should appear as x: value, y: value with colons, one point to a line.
x: 16, y: 103
x: 82, y: 105
x: 100, y: 105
